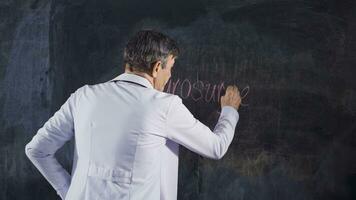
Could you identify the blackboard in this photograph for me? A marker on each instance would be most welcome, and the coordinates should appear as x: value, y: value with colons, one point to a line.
x: 293, y: 61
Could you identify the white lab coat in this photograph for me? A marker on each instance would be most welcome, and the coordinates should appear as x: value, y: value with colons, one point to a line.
x: 126, y: 141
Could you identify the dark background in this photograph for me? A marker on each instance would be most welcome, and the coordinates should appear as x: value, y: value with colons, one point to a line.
x: 296, y: 135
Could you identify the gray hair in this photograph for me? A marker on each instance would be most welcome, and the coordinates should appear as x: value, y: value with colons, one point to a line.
x: 147, y: 47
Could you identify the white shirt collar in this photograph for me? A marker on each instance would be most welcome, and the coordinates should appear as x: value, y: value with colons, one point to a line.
x: 134, y: 78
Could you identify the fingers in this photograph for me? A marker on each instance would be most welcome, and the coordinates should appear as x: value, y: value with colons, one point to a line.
x: 231, y: 97
x: 229, y: 89
x: 232, y: 90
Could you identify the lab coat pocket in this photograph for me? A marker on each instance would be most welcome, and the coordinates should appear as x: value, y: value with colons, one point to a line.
x: 107, y: 182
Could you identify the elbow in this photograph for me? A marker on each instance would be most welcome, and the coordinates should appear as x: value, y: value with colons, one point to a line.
x: 28, y: 150
x: 221, y: 145
x: 32, y: 152
x: 218, y: 156
x: 219, y: 152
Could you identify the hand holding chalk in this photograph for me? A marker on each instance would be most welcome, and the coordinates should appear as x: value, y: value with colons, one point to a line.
x: 231, y: 97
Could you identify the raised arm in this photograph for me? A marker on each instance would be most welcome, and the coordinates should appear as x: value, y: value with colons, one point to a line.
x: 186, y: 130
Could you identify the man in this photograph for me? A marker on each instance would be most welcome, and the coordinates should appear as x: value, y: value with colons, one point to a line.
x: 126, y: 130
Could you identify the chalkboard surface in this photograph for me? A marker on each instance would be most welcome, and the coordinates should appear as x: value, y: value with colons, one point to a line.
x: 293, y: 61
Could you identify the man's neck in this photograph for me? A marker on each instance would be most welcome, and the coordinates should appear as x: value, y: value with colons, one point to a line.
x: 144, y: 75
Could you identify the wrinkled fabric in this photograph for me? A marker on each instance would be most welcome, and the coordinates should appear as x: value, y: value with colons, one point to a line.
x: 127, y: 140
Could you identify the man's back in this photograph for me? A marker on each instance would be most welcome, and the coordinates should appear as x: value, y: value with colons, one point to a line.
x: 118, y: 131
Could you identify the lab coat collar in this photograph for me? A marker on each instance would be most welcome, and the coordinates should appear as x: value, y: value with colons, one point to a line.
x: 134, y: 78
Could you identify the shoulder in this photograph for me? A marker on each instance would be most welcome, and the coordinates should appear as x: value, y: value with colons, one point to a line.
x: 81, y: 90
x: 173, y: 101
x: 91, y: 88
x: 167, y: 96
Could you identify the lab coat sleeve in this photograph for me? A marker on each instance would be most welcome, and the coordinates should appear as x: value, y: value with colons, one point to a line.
x: 48, y: 139
x: 183, y: 128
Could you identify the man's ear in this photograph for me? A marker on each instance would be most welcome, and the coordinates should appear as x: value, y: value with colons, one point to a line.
x: 128, y: 68
x: 157, y: 66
